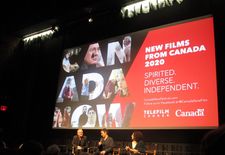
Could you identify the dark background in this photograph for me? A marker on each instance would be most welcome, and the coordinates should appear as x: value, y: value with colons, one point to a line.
x: 29, y: 73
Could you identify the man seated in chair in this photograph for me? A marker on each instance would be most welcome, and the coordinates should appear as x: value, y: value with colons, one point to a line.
x: 79, y: 143
x: 106, y: 144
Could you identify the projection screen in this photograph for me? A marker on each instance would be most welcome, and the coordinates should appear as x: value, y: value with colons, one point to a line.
x: 158, y: 78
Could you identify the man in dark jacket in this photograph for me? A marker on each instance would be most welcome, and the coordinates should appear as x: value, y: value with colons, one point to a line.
x: 79, y: 143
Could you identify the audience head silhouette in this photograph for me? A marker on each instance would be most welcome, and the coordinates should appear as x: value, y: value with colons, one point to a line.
x: 213, y: 142
x: 53, y: 150
x: 137, y: 136
x: 31, y: 147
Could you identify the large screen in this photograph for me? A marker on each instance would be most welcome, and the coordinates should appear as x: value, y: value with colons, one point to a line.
x: 158, y: 78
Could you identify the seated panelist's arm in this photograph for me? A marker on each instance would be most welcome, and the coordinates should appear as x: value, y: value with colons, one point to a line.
x: 85, y: 143
x: 131, y: 150
x: 139, y: 148
x: 108, y: 145
x: 74, y: 141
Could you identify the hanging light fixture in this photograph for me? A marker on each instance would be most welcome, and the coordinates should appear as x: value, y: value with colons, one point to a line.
x: 89, y: 11
x: 48, y: 32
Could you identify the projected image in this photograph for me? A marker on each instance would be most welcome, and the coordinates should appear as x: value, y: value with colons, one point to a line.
x: 92, y: 85
x: 92, y: 118
x: 123, y: 53
x: 116, y: 85
x: 93, y: 56
x: 57, y: 119
x: 68, y: 66
x: 129, y: 109
x: 66, y: 122
x: 127, y: 47
x: 110, y: 118
x: 122, y: 89
x: 68, y: 92
x: 115, y: 48
x: 149, y: 79
x: 84, y: 116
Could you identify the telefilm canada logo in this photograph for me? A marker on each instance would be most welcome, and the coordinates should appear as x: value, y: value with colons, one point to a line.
x: 156, y: 113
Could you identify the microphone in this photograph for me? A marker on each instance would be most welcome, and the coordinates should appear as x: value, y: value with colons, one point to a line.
x: 100, y: 142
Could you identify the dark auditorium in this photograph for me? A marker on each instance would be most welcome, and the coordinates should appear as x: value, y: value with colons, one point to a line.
x: 118, y: 77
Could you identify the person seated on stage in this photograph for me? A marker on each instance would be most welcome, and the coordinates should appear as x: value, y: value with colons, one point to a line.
x: 106, y: 143
x: 79, y: 142
x: 137, y: 145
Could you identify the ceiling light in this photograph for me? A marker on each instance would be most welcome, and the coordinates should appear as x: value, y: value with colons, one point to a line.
x: 40, y: 34
x: 90, y: 20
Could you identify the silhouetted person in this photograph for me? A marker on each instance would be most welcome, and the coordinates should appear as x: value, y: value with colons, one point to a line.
x: 31, y: 148
x: 2, y: 142
x: 3, y: 147
x: 213, y: 142
x: 53, y: 150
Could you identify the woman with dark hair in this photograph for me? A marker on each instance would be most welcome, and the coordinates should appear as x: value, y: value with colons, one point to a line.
x: 137, y: 145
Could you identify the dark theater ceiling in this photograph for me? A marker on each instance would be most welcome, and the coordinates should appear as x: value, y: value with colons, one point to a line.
x: 22, y: 17
x: 19, y: 16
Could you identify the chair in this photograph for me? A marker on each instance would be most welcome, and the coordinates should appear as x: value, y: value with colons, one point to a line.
x: 92, y: 150
x: 73, y: 150
x: 151, y: 149
x: 116, y: 151
x: 63, y: 149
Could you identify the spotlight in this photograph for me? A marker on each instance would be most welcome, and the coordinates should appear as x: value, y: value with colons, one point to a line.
x: 56, y: 28
x: 89, y: 11
x: 90, y: 20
